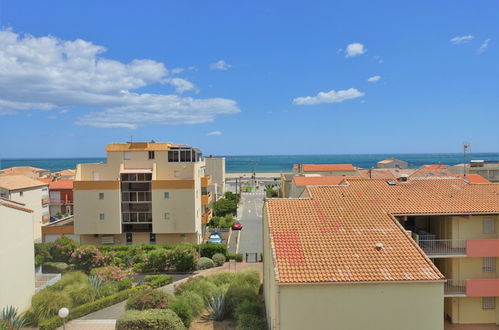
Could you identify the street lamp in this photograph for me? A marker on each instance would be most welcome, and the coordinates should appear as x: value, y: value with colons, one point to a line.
x: 63, y: 313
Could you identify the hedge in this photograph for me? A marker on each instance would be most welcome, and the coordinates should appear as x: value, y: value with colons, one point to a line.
x: 82, y: 310
x: 55, y: 267
x: 209, y: 249
x: 157, y: 281
x: 149, y: 319
x: 236, y: 256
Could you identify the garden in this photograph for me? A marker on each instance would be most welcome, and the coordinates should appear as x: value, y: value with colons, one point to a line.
x: 95, y: 277
x: 224, y: 211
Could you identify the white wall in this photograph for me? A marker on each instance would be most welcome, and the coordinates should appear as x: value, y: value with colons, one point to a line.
x: 32, y: 197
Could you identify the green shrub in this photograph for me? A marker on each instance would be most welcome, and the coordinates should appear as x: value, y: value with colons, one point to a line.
x: 149, y: 319
x: 250, y: 278
x: 95, y: 282
x: 209, y: 249
x: 108, y: 289
x: 217, y: 306
x: 62, y: 248
x: 205, y: 263
x: 10, y: 315
x: 55, y: 267
x: 46, y: 303
x: 221, y: 278
x: 218, y: 259
x: 150, y: 299
x: 158, y: 260
x: 183, y: 310
x: 199, y: 285
x: 157, y: 281
x: 69, y: 279
x: 194, y: 300
x: 184, y: 258
x: 125, y: 284
x: 87, y: 257
x: 235, y: 256
x: 236, y: 295
x: 111, y: 273
x: 249, y: 307
x: 42, y: 253
x: 251, y: 322
x: 80, y: 293
x: 77, y: 312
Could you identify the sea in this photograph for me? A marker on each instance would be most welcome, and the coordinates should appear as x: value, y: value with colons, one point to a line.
x: 276, y: 164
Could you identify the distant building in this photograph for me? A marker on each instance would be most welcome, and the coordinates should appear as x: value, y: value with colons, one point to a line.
x: 300, y: 183
x: 68, y: 174
x: 33, y: 194
x: 59, y: 228
x: 215, y: 169
x: 392, y: 163
x: 144, y: 193
x: 31, y: 172
x: 489, y: 171
x: 17, y: 255
x: 325, y: 169
x: 61, y: 197
x: 353, y: 254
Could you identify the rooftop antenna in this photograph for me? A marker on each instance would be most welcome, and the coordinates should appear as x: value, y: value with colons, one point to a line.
x: 131, y: 138
x: 466, y: 148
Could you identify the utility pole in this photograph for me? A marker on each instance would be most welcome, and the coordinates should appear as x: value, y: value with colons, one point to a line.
x: 466, y: 147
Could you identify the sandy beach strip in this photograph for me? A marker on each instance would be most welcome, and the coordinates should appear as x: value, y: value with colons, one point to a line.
x: 248, y: 175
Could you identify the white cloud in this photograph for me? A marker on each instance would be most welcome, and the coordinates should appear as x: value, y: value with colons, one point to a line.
x: 220, y: 65
x: 177, y: 70
x: 52, y: 117
x: 483, y: 46
x: 329, y: 97
x: 354, y: 49
x: 461, y: 39
x: 64, y: 111
x: 374, y: 78
x: 214, y: 133
x: 43, y: 73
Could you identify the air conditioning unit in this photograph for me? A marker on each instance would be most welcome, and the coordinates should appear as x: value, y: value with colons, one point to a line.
x: 107, y: 240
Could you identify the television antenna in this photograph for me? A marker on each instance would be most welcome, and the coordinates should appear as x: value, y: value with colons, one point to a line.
x: 466, y: 148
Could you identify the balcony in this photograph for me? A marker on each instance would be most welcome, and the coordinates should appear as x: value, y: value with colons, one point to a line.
x: 206, y: 181
x: 45, y: 201
x: 206, y: 199
x: 443, y: 248
x: 136, y: 217
x: 58, y: 201
x: 136, y: 196
x: 206, y: 217
x: 473, y: 287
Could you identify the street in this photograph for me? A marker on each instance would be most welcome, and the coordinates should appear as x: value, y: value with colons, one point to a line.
x: 250, y: 216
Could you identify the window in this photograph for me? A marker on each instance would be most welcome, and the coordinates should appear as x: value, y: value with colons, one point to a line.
x: 45, y: 189
x: 489, y: 226
x: 489, y: 303
x: 167, y: 195
x: 151, y: 154
x: 489, y: 264
x: 152, y: 238
x: 129, y: 238
x: 176, y: 174
x: 127, y: 155
x: 167, y: 216
x: 101, y: 216
x: 101, y: 195
x: 21, y: 193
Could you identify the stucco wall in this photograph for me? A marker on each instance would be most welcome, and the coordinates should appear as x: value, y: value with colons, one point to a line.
x: 88, y: 206
x: 33, y: 199
x: 408, y: 306
x: 17, y: 278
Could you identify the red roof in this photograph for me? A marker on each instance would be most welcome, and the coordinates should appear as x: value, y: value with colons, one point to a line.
x: 318, y: 180
x: 44, y: 180
x: 473, y: 178
x: 435, y: 166
x: 327, y: 167
x: 61, y: 184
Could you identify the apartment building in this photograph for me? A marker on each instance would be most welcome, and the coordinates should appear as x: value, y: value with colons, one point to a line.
x: 325, y: 169
x: 145, y: 192
x: 61, y: 197
x: 392, y: 163
x: 322, y: 248
x: 215, y: 168
x: 488, y: 170
x: 17, y: 279
x: 32, y: 193
x: 29, y: 171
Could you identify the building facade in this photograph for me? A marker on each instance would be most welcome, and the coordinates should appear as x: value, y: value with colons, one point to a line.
x: 392, y: 163
x: 215, y: 168
x: 33, y: 194
x: 17, y: 279
x: 61, y: 197
x: 144, y: 193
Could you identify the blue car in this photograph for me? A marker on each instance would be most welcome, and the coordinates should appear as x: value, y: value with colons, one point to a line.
x: 215, y: 238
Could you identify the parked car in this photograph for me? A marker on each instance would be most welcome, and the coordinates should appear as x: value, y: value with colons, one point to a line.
x: 215, y: 238
x: 237, y: 226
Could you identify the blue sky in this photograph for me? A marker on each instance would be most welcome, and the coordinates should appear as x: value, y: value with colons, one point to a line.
x: 243, y: 78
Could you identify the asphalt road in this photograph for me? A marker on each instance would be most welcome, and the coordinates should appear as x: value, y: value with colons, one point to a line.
x: 250, y: 216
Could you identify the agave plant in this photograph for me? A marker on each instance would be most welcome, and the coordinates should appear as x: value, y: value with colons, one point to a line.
x: 95, y: 282
x: 10, y: 315
x: 217, y: 306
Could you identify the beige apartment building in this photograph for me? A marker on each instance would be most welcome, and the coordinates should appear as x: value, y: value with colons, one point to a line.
x: 17, y: 255
x: 321, y: 252
x: 33, y: 194
x: 145, y: 192
x: 489, y: 171
x: 215, y: 168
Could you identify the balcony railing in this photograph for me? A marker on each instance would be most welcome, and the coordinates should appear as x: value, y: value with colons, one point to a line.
x: 206, y: 198
x: 443, y: 247
x: 136, y: 217
x: 206, y: 217
x: 455, y: 288
x: 206, y: 180
x: 136, y: 196
x: 60, y: 201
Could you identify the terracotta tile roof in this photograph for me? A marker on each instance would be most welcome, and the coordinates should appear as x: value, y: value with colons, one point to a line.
x: 440, y: 172
x: 327, y: 167
x: 377, y: 173
x: 473, y: 178
x: 61, y: 184
x: 44, y: 180
x: 139, y: 146
x: 67, y: 172
x: 332, y: 236
x: 434, y: 166
x: 16, y: 182
x: 21, y: 170
x: 318, y: 180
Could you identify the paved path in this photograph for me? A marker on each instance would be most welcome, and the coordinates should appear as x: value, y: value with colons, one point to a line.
x: 250, y: 216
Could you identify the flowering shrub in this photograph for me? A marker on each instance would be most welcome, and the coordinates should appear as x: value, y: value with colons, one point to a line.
x: 87, y: 257
x: 111, y: 273
x: 62, y: 248
x: 150, y: 299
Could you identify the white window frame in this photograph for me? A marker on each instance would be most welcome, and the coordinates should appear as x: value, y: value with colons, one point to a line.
x: 488, y: 302
x: 127, y: 155
x: 167, y: 216
x: 489, y: 226
x: 102, y: 216
x: 167, y: 195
